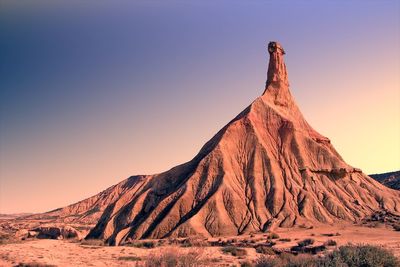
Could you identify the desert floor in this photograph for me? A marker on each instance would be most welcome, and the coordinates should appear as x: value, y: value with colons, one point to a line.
x: 74, y: 253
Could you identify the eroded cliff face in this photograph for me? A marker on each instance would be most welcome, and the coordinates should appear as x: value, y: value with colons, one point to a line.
x: 267, y: 167
x: 89, y: 211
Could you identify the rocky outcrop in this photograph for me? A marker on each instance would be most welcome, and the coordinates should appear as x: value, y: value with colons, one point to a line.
x: 266, y: 168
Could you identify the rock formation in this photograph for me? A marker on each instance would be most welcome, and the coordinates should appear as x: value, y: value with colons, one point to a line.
x: 266, y: 168
x: 277, y: 74
x: 87, y: 211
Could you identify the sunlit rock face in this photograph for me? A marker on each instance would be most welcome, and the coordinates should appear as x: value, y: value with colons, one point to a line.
x: 277, y: 74
x: 266, y: 168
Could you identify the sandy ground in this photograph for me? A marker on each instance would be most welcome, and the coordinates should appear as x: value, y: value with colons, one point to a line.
x: 379, y: 236
x: 67, y: 253
x: 64, y: 253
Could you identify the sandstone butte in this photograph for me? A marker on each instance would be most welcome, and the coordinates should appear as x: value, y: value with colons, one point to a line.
x: 266, y: 168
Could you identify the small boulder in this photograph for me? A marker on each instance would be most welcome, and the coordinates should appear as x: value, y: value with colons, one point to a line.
x: 32, y: 234
x: 22, y: 234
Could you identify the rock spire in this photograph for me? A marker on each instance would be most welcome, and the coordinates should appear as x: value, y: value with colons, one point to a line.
x: 277, y: 74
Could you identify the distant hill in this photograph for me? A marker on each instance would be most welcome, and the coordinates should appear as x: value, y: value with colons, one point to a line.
x: 390, y: 179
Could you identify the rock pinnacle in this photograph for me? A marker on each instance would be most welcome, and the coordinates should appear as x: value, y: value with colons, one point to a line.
x: 277, y: 74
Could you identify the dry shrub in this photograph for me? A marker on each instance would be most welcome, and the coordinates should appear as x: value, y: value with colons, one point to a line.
x: 162, y: 241
x: 33, y: 264
x: 174, y: 257
x: 360, y: 255
x: 264, y: 261
x: 234, y: 251
x: 304, y: 246
x: 194, y: 242
x: 173, y: 241
x: 374, y: 224
x: 228, y: 249
x: 265, y: 250
x: 141, y: 244
x: 273, y: 236
x: 246, y: 264
x: 240, y: 252
x: 330, y: 234
x: 345, y: 256
x: 330, y: 243
x: 308, y: 249
x: 148, y: 244
x: 92, y: 242
x: 285, y: 239
x: 286, y: 260
x: 129, y: 258
x: 301, y: 260
x: 270, y: 243
x: 306, y: 242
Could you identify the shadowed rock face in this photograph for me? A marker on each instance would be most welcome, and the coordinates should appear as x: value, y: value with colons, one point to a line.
x: 267, y: 167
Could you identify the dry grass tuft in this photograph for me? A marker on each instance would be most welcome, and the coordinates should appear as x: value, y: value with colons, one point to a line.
x: 265, y: 250
x: 330, y: 243
x: 359, y: 255
x: 93, y: 242
x: 141, y: 244
x: 234, y: 251
x: 33, y: 264
x: 246, y: 264
x: 173, y: 257
x: 273, y: 236
x: 306, y: 242
x: 194, y: 242
x: 129, y: 258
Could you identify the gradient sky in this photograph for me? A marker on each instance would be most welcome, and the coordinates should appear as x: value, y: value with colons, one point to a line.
x: 93, y: 92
